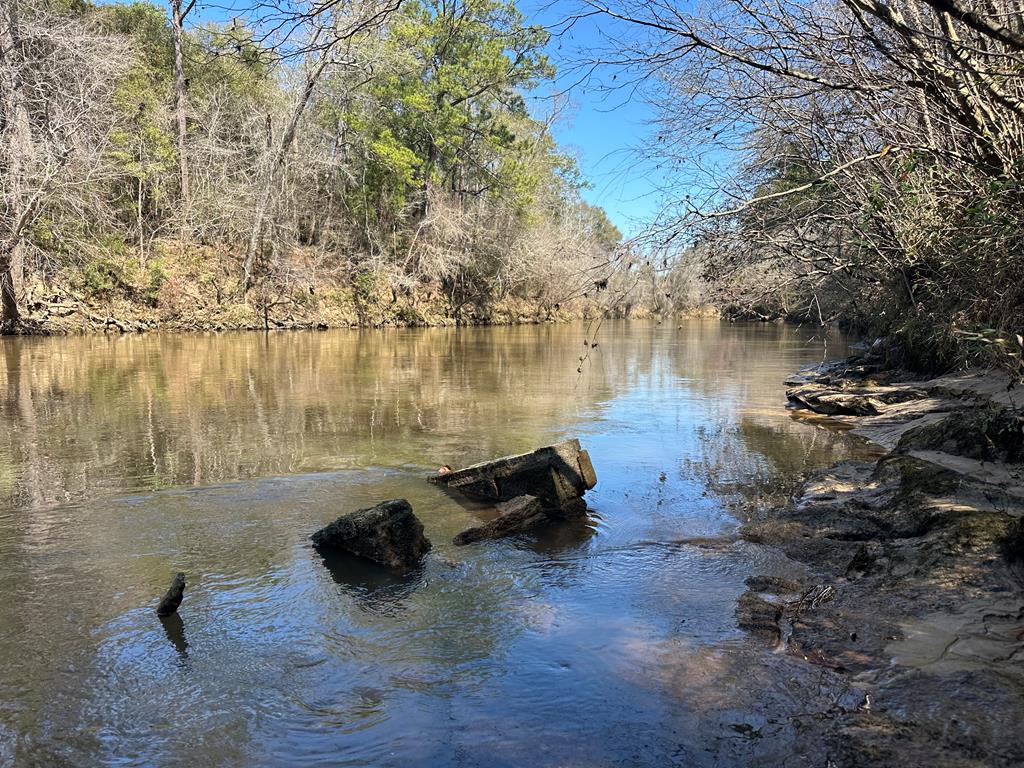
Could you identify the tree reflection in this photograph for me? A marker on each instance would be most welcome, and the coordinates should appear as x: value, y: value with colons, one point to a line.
x: 119, y: 461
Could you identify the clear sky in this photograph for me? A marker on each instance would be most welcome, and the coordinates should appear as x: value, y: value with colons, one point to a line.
x: 605, y: 122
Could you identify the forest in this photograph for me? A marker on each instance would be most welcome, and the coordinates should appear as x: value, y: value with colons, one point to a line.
x: 849, y: 161
x: 347, y: 163
x: 845, y: 162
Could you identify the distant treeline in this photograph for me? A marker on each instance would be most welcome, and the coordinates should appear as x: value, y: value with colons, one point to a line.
x: 359, y: 161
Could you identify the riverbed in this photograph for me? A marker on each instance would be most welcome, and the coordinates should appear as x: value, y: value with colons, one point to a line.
x: 608, y: 642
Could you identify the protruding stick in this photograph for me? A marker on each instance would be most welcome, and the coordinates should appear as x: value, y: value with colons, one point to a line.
x: 170, y: 602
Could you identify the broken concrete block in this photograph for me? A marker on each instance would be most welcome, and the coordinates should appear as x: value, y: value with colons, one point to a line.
x: 557, y: 475
x: 518, y: 515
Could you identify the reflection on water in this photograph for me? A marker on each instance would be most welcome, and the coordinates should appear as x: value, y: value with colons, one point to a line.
x: 564, y: 536
x: 126, y: 459
x: 371, y: 586
x: 174, y: 627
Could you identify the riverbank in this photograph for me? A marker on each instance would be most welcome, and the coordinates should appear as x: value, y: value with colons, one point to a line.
x: 913, y: 598
x: 198, y: 306
x: 194, y: 302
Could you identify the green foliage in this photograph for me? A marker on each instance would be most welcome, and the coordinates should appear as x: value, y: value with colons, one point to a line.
x: 364, y: 286
x: 415, y: 168
x: 407, y: 315
x: 599, y: 227
x: 146, y: 25
x: 104, y: 276
x: 154, y: 279
x: 141, y: 143
x: 445, y: 112
x: 233, y: 64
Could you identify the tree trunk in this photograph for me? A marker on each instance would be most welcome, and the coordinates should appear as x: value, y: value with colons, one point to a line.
x: 17, y: 135
x: 257, y: 231
x: 275, y: 165
x: 10, y: 317
x: 180, y: 106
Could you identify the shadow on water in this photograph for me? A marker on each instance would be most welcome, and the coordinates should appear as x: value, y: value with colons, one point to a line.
x: 174, y: 628
x: 374, y: 588
x: 563, y: 537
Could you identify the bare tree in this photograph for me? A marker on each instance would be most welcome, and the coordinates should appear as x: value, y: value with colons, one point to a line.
x: 332, y: 30
x: 856, y: 153
x: 297, y: 143
x: 56, y: 79
x: 178, y: 15
x: 17, y: 138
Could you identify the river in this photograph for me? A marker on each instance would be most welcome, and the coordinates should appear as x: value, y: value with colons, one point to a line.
x: 606, y: 643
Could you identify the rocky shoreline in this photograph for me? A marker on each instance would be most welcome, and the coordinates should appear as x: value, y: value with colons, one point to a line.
x: 62, y: 316
x: 912, y: 601
x: 189, y: 304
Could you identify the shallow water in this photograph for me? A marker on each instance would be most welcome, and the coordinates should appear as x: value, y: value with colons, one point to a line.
x: 125, y: 459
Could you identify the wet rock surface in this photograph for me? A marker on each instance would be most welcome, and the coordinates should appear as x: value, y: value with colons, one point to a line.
x: 557, y: 475
x: 388, y: 534
x: 759, y: 617
x: 773, y: 585
x: 912, y: 598
x: 519, y: 515
x: 970, y: 423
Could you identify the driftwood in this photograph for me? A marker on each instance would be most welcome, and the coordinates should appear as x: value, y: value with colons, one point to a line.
x: 170, y: 602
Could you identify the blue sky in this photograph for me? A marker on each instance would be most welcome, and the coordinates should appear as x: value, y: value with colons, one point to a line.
x: 603, y: 125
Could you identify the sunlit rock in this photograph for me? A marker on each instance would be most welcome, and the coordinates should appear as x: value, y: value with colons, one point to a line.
x: 557, y: 475
x: 388, y: 534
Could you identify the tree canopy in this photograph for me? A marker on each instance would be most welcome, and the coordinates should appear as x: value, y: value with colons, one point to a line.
x: 379, y: 148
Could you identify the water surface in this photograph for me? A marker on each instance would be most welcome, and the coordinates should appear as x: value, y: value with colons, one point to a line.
x: 609, y: 642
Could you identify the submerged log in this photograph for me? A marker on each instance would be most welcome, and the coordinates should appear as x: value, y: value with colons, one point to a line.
x: 170, y: 602
x: 388, y: 534
x: 557, y: 475
x: 518, y: 515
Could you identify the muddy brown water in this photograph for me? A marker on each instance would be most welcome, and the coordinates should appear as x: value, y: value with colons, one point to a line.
x: 607, y: 643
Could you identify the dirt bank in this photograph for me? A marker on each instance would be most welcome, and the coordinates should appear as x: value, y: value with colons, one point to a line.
x: 202, y: 307
x: 198, y: 290
x: 913, y: 599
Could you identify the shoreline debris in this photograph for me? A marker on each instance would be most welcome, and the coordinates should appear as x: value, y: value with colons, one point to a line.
x: 557, y: 476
